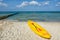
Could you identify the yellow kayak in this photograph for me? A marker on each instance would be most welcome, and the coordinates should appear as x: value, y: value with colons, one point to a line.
x: 39, y: 30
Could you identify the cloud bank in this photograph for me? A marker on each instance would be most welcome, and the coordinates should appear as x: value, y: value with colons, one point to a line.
x: 58, y: 4
x: 46, y: 3
x: 26, y: 3
x: 3, y: 4
x: 34, y: 3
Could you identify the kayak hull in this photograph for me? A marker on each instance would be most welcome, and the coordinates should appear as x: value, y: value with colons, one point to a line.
x: 39, y: 30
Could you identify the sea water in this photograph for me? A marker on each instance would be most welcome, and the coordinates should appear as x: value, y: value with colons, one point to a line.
x: 37, y: 16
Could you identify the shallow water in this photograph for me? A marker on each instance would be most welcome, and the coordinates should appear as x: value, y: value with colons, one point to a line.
x: 37, y: 16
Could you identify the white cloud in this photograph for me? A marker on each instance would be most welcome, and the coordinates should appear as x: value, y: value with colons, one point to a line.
x: 58, y: 4
x: 46, y: 3
x: 26, y: 3
x: 34, y: 3
x: 23, y: 4
x: 3, y: 4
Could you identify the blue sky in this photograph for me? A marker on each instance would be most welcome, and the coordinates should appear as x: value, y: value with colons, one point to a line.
x: 29, y: 5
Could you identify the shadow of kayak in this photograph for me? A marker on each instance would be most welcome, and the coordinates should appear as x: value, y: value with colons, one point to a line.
x: 6, y: 16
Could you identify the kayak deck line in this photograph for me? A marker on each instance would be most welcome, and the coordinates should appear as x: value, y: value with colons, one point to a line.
x: 38, y: 29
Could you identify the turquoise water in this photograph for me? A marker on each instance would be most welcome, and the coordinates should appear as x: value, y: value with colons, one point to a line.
x: 37, y: 16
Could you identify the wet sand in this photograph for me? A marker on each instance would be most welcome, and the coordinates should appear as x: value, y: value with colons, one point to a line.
x: 15, y: 30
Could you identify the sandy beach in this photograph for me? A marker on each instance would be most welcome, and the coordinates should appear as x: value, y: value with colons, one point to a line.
x: 15, y: 30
